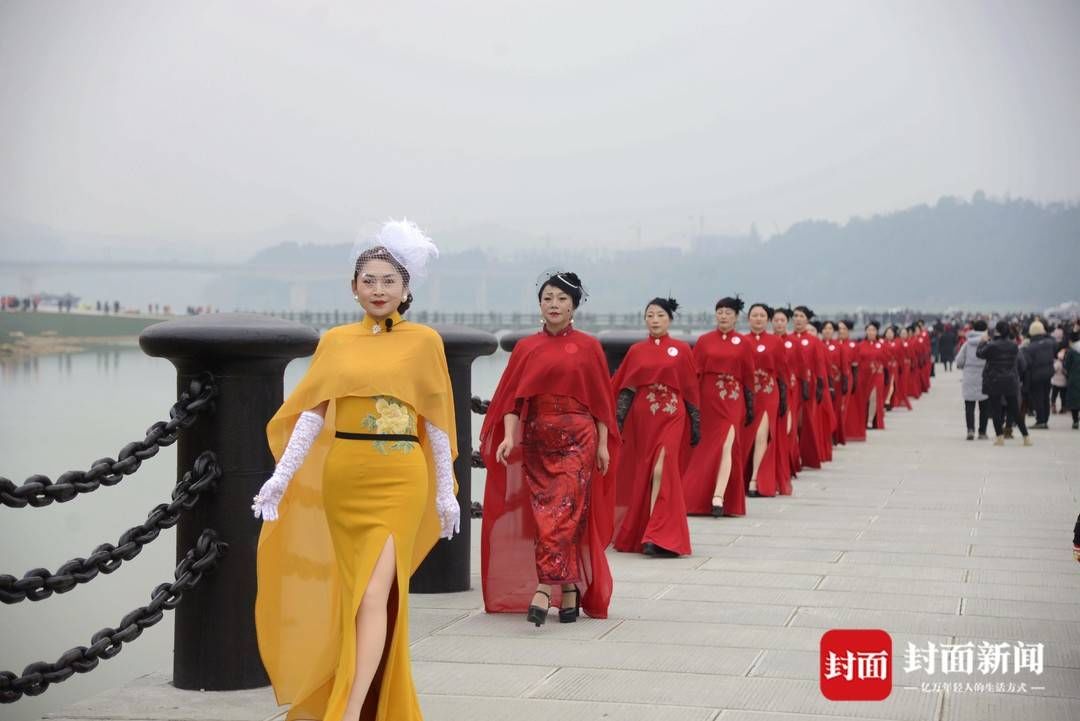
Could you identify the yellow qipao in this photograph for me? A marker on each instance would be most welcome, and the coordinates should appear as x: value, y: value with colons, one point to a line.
x: 340, y: 508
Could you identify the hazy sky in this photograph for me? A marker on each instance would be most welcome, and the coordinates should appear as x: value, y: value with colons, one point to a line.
x: 572, y: 120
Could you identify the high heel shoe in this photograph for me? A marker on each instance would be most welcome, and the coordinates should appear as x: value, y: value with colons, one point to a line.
x: 569, y: 615
x: 717, y: 508
x: 537, y: 614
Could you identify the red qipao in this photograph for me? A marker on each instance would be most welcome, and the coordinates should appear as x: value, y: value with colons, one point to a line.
x: 912, y: 366
x: 811, y: 431
x: 664, y: 376
x: 770, y: 368
x: 725, y: 365
x: 871, y: 359
x: 559, y: 386
x: 854, y: 414
x: 903, y: 374
x: 796, y: 372
x: 836, y: 361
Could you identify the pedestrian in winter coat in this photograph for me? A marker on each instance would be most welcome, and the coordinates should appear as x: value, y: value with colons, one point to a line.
x: 946, y: 344
x: 1039, y: 354
x: 1072, y: 378
x: 1001, y: 379
x: 971, y: 387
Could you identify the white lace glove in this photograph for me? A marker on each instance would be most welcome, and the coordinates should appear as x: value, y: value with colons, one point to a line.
x: 304, y: 433
x: 446, y: 504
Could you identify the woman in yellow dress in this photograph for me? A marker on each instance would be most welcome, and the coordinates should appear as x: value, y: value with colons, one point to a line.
x: 362, y: 489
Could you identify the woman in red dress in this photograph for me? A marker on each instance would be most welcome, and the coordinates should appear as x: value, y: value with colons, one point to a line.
x: 854, y: 420
x: 911, y: 363
x: 549, y: 445
x: 795, y: 369
x: 836, y: 355
x: 656, y: 403
x: 726, y: 370
x: 870, y: 377
x: 894, y: 371
x: 811, y: 432
x: 765, y: 450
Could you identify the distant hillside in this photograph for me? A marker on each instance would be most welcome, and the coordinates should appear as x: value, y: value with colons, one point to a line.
x: 986, y: 253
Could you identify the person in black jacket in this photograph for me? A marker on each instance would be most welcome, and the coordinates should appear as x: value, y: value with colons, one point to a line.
x: 1039, y: 354
x: 947, y: 346
x: 1001, y: 379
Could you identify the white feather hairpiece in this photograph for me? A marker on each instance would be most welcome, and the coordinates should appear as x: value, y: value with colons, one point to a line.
x: 404, y: 240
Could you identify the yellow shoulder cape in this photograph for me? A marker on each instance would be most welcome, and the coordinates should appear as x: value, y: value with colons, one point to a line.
x: 298, y: 589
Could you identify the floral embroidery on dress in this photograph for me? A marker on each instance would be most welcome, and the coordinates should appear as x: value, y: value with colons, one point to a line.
x: 763, y: 381
x: 661, y: 398
x: 728, y: 386
x: 394, y: 418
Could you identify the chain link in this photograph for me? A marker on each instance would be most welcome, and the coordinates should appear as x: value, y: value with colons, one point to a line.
x: 39, y: 491
x: 39, y: 583
x: 479, y: 406
x: 477, y: 460
x: 106, y: 643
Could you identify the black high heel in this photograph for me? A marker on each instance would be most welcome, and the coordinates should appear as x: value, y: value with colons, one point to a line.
x: 569, y: 615
x: 717, y: 510
x: 536, y: 614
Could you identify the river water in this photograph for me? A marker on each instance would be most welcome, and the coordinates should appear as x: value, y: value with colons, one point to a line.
x: 62, y: 412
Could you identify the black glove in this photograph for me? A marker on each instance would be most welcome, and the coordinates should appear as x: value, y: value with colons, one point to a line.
x: 843, y: 385
x: 695, y: 424
x: 748, y: 399
x: 805, y: 385
x: 854, y: 377
x: 819, y: 392
x: 622, y: 406
x: 783, y: 397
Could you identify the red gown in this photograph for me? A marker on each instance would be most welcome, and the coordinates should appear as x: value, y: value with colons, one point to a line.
x: 725, y: 367
x: 894, y: 362
x: 810, y: 430
x: 854, y: 414
x: 871, y: 359
x: 793, y: 359
x: 548, y: 514
x: 663, y: 372
x: 912, y: 365
x: 903, y: 381
x: 836, y: 357
x: 770, y: 367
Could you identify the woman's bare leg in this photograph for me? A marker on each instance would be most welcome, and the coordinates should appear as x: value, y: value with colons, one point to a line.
x: 657, y: 474
x: 761, y: 442
x: 871, y: 407
x: 371, y: 628
x: 725, y: 466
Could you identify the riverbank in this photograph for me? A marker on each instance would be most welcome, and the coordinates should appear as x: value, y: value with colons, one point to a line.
x: 25, y: 334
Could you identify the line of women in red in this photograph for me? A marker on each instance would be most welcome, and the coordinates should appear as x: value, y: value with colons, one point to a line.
x: 577, y: 461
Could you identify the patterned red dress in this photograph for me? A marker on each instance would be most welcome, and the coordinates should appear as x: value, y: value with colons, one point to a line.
x: 811, y: 431
x: 664, y: 376
x: 548, y: 514
x: 770, y: 368
x: 854, y: 414
x: 836, y: 355
x: 793, y: 359
x: 725, y: 365
x: 871, y: 377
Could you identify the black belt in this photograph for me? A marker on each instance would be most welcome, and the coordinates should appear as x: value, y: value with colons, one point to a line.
x: 376, y: 436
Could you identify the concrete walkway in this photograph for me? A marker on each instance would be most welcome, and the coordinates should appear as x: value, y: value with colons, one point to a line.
x: 917, y: 532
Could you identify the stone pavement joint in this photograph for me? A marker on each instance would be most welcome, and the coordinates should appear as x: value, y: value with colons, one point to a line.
x: 919, y: 532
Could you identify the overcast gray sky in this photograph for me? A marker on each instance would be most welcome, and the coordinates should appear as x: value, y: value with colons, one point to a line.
x: 573, y: 120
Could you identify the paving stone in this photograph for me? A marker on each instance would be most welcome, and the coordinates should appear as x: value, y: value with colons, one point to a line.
x: 1007, y: 592
x: 626, y: 655
x: 982, y: 627
x: 1008, y: 707
x: 850, y: 569
x: 1022, y: 609
x: 795, y: 597
x: 727, y: 692
x: 456, y: 708
x: 477, y: 679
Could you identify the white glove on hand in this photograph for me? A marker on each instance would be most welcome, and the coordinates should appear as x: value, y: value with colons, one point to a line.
x: 446, y: 504
x: 304, y: 433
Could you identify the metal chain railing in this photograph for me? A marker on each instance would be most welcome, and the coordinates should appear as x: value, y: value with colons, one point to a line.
x: 39, y: 491
x: 106, y: 643
x: 479, y: 405
x: 40, y: 583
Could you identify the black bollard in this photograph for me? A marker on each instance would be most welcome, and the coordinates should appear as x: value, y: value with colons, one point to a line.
x: 446, y: 569
x: 215, y: 647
